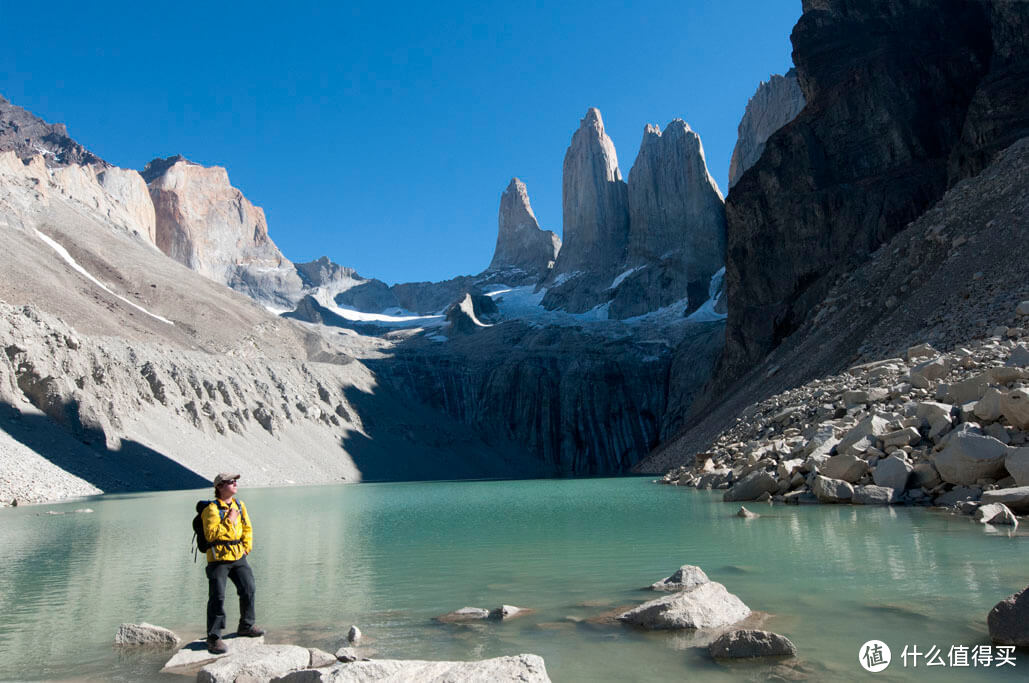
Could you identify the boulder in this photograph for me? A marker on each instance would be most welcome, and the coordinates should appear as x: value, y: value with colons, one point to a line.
x: 995, y: 513
x: 930, y: 412
x: 752, y: 486
x: 146, y: 634
x: 901, y: 437
x: 874, y: 495
x: 924, y: 475
x: 832, y: 490
x: 931, y: 370
x: 262, y: 663
x: 1019, y: 357
x: 464, y: 614
x: 1016, y: 498
x: 685, y: 577
x: 507, y: 612
x: 524, y: 668
x: 746, y: 514
x: 957, y: 495
x: 988, y: 408
x: 848, y: 468
x: 1016, y: 462
x: 751, y: 643
x: 966, y: 391
x: 1015, y: 407
x: 194, y: 655
x: 863, y: 435
x: 1008, y: 621
x: 708, y: 605
x: 893, y: 472
x: 969, y: 457
x: 320, y: 658
x: 921, y: 351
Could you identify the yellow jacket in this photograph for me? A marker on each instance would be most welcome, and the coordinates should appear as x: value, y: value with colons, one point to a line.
x: 218, y: 528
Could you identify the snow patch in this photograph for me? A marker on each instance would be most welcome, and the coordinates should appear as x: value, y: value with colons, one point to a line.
x: 63, y: 253
x: 400, y: 319
x: 618, y: 280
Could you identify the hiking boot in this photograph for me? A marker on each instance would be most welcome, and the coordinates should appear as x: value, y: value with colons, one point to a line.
x: 216, y: 646
x: 250, y: 632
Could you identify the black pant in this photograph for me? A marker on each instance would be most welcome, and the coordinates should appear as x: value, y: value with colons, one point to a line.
x: 240, y: 574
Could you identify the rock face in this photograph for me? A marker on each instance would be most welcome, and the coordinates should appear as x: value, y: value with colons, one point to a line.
x: 771, y: 107
x: 27, y: 136
x: 210, y: 227
x: 708, y: 605
x: 595, y: 218
x: 942, y: 91
x: 521, y: 245
x: 677, y: 224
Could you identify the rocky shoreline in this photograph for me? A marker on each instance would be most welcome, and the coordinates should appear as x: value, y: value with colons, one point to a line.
x: 946, y: 429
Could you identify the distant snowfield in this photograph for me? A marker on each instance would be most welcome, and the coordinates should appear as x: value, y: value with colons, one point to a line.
x: 63, y: 253
x: 525, y: 304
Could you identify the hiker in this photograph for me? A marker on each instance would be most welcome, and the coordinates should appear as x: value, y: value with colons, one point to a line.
x: 227, y: 528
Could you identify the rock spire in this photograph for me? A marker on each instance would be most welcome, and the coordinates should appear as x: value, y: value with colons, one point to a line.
x: 521, y: 244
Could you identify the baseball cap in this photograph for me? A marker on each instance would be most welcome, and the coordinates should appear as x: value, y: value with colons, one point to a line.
x: 224, y: 477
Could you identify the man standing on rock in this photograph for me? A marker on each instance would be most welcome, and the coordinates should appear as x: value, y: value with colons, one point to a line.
x: 227, y: 528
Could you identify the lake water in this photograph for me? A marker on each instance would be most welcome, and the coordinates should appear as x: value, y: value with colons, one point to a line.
x: 390, y: 557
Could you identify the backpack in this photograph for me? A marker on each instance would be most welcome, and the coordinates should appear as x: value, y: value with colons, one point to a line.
x: 202, y: 544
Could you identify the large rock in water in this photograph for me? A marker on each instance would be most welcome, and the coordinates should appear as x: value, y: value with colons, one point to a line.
x: 145, y: 634
x: 521, y: 244
x: 209, y: 226
x: 522, y: 668
x: 595, y: 216
x: 771, y: 107
x: 942, y: 91
x: 744, y: 644
x: 676, y: 224
x: 1008, y: 621
x: 685, y: 577
x: 751, y: 486
x: 708, y: 605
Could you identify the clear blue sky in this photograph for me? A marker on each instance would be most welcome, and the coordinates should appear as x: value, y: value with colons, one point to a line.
x: 382, y: 134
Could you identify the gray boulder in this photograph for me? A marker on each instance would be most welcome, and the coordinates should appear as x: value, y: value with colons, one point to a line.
x: 924, y: 475
x: 507, y: 612
x: 1015, y: 407
x: 863, y: 435
x: 194, y: 655
x: 752, y: 486
x: 1008, y: 621
x: 262, y: 663
x: 995, y: 513
x: 708, y: 605
x: 746, y: 514
x: 685, y: 577
x: 848, y: 468
x: 320, y: 658
x: 1016, y: 462
x: 957, y: 495
x: 832, y: 490
x: 354, y: 634
x: 874, y: 495
x: 522, y: 668
x: 464, y: 614
x: 751, y: 643
x: 893, y: 472
x: 1016, y: 498
x: 146, y: 634
x: 969, y: 457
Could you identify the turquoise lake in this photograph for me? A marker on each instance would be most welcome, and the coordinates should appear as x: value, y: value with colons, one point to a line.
x: 390, y: 557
